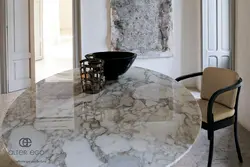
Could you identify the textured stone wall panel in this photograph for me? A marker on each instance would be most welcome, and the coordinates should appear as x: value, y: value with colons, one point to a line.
x: 142, y: 26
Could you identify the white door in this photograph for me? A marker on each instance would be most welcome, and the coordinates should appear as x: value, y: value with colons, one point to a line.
x: 19, y: 46
x: 38, y: 25
x: 217, y: 33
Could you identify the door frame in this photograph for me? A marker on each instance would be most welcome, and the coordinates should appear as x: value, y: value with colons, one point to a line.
x: 40, y: 20
x: 77, y: 34
x: 3, y: 48
x: 32, y: 43
x: 233, y: 8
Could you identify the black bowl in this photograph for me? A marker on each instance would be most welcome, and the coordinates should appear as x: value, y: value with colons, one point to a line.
x: 115, y: 63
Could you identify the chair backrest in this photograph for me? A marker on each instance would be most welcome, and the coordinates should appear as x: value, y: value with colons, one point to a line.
x: 214, y: 79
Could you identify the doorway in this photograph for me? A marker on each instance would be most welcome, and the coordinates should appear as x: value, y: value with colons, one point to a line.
x: 27, y: 41
x: 53, y: 28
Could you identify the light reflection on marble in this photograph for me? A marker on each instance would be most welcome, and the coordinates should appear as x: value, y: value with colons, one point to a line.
x: 145, y: 119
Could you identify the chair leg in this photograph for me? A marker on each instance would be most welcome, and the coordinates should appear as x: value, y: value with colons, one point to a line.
x: 237, y: 142
x: 211, y: 148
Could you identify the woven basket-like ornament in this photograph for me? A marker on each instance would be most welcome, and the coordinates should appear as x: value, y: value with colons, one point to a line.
x: 92, y: 75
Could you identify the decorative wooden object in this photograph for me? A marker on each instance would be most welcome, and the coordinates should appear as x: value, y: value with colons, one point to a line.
x: 92, y: 75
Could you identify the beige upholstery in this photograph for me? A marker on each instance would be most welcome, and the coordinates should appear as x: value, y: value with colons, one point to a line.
x: 220, y: 111
x: 214, y: 79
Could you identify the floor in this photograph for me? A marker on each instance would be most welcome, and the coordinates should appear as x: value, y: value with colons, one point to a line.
x: 224, y: 152
x: 57, y: 58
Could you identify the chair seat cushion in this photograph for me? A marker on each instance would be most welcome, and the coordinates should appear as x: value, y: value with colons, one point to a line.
x: 220, y: 111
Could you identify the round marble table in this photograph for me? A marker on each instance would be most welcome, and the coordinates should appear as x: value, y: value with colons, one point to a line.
x: 145, y: 119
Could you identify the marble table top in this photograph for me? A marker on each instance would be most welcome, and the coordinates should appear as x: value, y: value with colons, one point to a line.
x: 145, y: 119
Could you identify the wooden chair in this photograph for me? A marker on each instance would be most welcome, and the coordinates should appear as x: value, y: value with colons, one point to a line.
x: 220, y: 92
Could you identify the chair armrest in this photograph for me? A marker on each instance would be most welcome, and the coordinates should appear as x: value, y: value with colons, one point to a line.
x: 189, y: 76
x: 216, y: 94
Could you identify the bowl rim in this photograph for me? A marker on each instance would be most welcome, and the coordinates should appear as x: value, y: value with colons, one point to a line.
x: 133, y: 55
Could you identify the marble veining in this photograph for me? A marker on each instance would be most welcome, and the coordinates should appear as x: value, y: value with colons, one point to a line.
x: 145, y: 119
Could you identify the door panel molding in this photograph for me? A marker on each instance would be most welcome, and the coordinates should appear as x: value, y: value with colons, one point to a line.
x: 218, y: 33
x: 20, y: 44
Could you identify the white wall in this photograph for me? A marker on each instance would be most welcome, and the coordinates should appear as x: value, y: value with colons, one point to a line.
x: 186, y: 36
x: 94, y: 26
x: 183, y: 61
x: 187, y: 43
x: 242, y: 56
